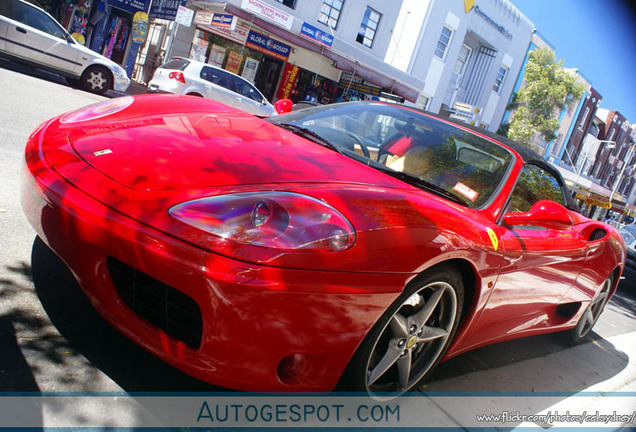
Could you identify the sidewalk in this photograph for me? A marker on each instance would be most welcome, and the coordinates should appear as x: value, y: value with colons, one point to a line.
x: 596, y: 377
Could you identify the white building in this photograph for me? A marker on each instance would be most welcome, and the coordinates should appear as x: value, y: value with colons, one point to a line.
x: 467, y: 53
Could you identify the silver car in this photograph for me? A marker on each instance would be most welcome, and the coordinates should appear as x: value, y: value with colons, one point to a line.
x: 629, y: 234
x: 189, y: 77
x: 30, y: 35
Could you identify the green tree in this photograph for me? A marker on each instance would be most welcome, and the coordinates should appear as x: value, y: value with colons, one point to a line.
x: 547, y: 90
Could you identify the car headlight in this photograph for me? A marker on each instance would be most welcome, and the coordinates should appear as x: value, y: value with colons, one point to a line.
x: 97, y: 110
x: 281, y: 220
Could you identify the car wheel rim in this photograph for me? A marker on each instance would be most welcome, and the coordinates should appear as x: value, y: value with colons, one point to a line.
x: 594, y: 309
x: 412, y: 340
x: 96, y: 80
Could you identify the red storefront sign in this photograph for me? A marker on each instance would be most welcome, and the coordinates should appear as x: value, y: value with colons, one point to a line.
x: 287, y: 83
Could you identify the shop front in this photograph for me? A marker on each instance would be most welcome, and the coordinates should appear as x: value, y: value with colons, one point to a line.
x: 243, y: 51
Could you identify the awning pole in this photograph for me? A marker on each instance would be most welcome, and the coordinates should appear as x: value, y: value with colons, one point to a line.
x: 351, y: 80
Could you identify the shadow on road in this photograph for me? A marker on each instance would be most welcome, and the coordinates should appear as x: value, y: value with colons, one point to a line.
x: 131, y: 367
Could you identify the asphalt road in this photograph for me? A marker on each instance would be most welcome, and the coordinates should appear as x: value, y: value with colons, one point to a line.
x: 52, y: 340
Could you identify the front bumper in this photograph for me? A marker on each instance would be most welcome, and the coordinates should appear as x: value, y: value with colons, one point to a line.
x: 121, y: 83
x: 262, y: 329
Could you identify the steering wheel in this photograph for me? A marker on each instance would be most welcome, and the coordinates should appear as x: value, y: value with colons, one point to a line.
x: 357, y: 140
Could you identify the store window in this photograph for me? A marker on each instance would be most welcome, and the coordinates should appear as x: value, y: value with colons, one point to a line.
x: 444, y: 41
x: 289, y: 3
x: 368, y: 27
x: 330, y: 12
x: 501, y: 76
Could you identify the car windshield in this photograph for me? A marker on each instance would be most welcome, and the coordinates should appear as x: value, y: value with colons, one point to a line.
x: 418, y: 149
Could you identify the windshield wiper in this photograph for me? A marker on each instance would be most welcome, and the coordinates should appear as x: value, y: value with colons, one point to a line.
x: 308, y: 133
x: 416, y: 181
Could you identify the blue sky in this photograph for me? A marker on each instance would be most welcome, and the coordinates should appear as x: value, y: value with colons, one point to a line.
x: 596, y: 36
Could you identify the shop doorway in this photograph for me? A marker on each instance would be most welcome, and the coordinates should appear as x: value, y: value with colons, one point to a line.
x: 267, y: 77
x: 117, y: 33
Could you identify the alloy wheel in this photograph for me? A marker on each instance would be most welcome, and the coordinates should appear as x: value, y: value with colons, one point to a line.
x: 413, y: 339
x: 594, y: 310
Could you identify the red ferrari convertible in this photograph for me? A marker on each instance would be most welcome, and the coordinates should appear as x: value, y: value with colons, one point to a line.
x: 356, y: 244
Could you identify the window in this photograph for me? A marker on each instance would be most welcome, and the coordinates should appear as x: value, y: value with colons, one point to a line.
x: 501, y: 76
x: 462, y: 59
x: 330, y: 12
x: 217, y: 77
x: 444, y: 41
x: 289, y: 3
x: 535, y: 184
x: 584, y: 118
x: 246, y: 89
x: 37, y: 19
x: 368, y: 27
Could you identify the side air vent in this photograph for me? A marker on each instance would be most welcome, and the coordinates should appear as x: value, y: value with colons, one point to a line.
x: 597, y: 234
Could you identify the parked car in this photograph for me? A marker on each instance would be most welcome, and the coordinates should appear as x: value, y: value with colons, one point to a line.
x: 301, y: 251
x: 30, y: 35
x: 189, y: 77
x: 629, y: 234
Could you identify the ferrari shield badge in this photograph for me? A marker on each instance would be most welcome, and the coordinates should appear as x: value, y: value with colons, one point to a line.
x: 493, y: 238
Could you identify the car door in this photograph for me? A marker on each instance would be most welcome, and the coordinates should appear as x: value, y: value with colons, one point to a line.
x: 4, y: 23
x: 34, y: 36
x: 539, y: 265
x: 250, y: 99
x: 219, y: 86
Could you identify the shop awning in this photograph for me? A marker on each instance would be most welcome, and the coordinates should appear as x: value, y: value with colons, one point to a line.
x: 341, y: 61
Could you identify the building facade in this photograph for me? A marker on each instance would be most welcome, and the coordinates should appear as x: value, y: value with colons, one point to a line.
x: 318, y: 51
x: 574, y: 152
x: 468, y: 53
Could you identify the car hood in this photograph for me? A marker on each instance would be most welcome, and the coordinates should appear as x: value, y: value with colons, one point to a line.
x: 168, y: 142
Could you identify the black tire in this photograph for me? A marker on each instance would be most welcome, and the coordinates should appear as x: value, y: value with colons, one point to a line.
x: 194, y: 94
x: 73, y: 82
x: 591, y: 314
x: 97, y: 79
x: 410, y: 338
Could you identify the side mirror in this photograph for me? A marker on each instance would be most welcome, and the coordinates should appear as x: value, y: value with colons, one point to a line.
x: 283, y: 106
x: 546, y: 214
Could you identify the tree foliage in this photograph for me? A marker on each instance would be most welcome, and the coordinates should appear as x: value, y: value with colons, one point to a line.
x: 547, y: 90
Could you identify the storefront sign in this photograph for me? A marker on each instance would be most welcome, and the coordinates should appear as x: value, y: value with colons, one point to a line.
x: 315, y: 34
x: 347, y: 80
x: 233, y: 62
x: 224, y: 20
x: 165, y: 9
x: 595, y: 200
x: 203, y: 17
x: 268, y: 46
x: 270, y: 13
x: 501, y: 29
x: 131, y: 6
x: 287, y: 83
x: 238, y: 35
x: 184, y: 16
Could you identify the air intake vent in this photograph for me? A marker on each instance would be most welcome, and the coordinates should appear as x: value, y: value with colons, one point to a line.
x: 174, y: 312
x: 597, y: 234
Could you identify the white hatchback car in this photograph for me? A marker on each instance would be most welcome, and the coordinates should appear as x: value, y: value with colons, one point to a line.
x: 30, y: 35
x: 189, y: 77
